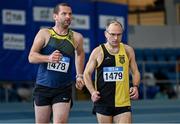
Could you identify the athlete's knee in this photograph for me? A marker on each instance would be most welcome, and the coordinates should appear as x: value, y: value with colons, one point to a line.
x: 62, y: 119
x: 40, y: 120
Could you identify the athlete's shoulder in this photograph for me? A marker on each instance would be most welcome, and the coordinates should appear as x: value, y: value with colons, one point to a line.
x: 128, y: 47
x: 44, y: 32
x: 129, y: 50
x: 45, y: 29
x: 98, y: 49
x: 97, y: 52
x: 77, y: 35
x: 77, y: 39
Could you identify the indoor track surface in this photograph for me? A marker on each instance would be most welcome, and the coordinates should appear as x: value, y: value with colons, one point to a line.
x: 144, y: 111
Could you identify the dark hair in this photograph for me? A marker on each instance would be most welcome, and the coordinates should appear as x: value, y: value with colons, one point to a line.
x: 113, y: 21
x: 56, y: 8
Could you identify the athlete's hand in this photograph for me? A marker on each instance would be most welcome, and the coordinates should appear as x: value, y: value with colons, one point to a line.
x: 55, y: 56
x: 134, y: 94
x: 79, y: 83
x: 95, y: 96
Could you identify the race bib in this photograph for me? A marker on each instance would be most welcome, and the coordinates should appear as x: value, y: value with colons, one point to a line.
x: 113, y: 74
x: 62, y: 66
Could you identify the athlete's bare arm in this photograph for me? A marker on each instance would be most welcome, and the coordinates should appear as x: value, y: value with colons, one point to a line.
x: 40, y: 41
x: 94, y: 59
x: 80, y: 56
x: 135, y: 72
x: 79, y: 59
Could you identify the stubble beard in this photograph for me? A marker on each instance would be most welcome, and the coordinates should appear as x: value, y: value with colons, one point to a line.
x: 66, y: 24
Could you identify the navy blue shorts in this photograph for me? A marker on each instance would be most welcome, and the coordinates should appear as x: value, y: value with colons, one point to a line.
x: 110, y: 110
x: 43, y: 95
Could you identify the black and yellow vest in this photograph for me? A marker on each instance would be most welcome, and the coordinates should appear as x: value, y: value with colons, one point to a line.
x: 57, y: 74
x: 112, y: 79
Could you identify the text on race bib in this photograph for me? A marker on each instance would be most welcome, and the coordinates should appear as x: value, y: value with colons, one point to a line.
x: 112, y: 74
x: 62, y: 66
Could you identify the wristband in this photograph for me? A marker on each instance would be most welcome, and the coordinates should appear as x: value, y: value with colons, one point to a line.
x: 79, y: 76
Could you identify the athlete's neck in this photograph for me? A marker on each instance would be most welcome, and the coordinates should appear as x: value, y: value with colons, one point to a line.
x: 112, y: 49
x: 60, y: 30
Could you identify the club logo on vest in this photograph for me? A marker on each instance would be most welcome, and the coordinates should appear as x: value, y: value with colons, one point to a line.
x: 122, y: 59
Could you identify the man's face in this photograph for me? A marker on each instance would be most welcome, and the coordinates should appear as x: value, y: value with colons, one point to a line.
x: 64, y: 16
x: 113, y: 34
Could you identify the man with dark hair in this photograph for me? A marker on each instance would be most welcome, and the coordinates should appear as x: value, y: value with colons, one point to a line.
x: 111, y: 94
x: 54, y: 50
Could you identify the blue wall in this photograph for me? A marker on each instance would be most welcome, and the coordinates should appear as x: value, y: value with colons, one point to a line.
x: 23, y: 18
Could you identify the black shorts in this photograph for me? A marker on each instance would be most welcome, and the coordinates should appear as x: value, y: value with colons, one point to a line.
x: 43, y: 95
x: 111, y: 111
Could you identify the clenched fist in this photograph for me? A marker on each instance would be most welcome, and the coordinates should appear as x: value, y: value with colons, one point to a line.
x: 55, y: 56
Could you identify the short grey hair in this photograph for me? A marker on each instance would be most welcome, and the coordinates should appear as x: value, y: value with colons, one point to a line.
x: 113, y: 21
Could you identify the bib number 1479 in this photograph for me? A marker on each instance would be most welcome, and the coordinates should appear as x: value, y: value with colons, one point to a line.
x: 113, y: 74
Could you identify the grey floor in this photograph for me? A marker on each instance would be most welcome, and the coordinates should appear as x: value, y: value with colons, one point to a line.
x: 144, y: 111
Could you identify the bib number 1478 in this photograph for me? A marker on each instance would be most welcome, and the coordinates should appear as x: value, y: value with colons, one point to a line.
x: 62, y: 66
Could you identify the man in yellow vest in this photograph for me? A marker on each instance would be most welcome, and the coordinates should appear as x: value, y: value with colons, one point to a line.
x: 110, y: 93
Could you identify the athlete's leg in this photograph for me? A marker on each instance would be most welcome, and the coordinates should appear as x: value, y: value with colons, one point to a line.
x: 123, y: 118
x: 42, y: 114
x: 104, y: 118
x: 61, y: 112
